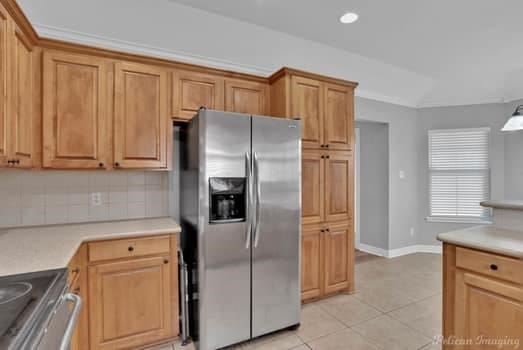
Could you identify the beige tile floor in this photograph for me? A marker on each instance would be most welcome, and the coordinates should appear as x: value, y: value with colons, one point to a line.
x: 397, y: 305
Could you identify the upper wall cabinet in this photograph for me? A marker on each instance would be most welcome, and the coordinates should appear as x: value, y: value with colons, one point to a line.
x: 4, y: 151
x: 193, y: 90
x: 17, y: 146
x: 21, y: 115
x: 242, y: 96
x: 338, y: 116
x: 141, y: 120
x: 325, y: 106
x: 307, y: 104
x: 76, y: 112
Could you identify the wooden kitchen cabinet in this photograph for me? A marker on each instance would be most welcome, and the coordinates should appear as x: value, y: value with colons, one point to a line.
x: 141, y: 119
x: 339, y: 185
x: 327, y: 186
x: 130, y: 302
x: 338, y: 117
x: 313, y: 188
x: 324, y: 105
x: 192, y: 90
x: 327, y: 262
x: 4, y: 53
x: 338, y: 247
x: 307, y: 104
x: 132, y: 298
x: 250, y: 97
x: 76, y: 111
x: 482, y: 296
x: 312, y: 262
x: 77, y: 282
x: 21, y: 113
x: 17, y: 95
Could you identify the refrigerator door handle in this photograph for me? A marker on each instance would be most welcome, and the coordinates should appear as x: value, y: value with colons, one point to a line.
x: 248, y: 216
x: 257, y: 200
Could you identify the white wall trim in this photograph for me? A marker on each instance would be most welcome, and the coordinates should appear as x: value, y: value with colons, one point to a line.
x: 373, y: 250
x: 394, y: 253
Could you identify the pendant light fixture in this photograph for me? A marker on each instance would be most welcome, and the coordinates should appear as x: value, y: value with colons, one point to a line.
x: 516, y: 121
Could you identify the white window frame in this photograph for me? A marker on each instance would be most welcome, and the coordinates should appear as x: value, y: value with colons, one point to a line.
x: 457, y: 218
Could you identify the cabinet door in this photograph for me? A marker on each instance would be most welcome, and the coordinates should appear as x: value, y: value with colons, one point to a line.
x: 339, y: 183
x: 246, y: 97
x: 3, y: 86
x: 141, y: 120
x: 311, y: 262
x: 307, y: 104
x: 312, y: 184
x: 131, y: 303
x: 337, y: 257
x: 75, y: 111
x: 487, y: 309
x: 21, y: 115
x: 194, y: 90
x: 339, y: 117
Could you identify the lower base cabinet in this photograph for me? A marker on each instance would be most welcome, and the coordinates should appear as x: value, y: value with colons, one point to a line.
x: 483, y: 300
x: 131, y: 294
x: 327, y: 260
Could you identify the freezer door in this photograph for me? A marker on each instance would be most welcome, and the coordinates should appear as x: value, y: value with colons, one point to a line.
x: 276, y: 232
x: 223, y: 249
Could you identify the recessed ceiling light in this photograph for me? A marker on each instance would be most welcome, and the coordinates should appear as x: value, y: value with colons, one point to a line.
x: 349, y: 17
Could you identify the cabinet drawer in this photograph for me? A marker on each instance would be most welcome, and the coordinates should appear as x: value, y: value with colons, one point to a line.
x: 497, y: 266
x: 127, y: 248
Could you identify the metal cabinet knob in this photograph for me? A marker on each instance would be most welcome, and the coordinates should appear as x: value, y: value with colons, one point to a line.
x: 493, y: 267
x: 101, y: 164
x: 131, y: 248
x: 166, y: 261
x: 116, y: 164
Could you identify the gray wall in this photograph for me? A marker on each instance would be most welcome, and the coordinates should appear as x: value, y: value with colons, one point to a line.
x: 403, y: 143
x: 473, y: 116
x: 513, y: 157
x: 374, y: 184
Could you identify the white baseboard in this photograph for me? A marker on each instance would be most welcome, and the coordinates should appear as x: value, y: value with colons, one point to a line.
x: 393, y: 253
x: 372, y: 250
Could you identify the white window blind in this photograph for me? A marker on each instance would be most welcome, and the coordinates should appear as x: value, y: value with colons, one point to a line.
x: 459, y: 173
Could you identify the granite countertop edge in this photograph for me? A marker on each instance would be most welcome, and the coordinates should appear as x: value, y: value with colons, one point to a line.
x: 40, y: 248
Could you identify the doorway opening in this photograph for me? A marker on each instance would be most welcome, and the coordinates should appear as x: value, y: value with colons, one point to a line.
x: 372, y: 190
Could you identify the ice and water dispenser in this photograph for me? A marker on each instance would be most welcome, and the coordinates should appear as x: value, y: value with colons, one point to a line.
x: 228, y: 199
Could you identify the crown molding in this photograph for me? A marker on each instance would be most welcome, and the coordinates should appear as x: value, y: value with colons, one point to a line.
x: 56, y: 33
x: 139, y: 49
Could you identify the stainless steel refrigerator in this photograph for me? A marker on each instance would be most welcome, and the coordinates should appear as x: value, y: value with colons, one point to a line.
x: 240, y: 204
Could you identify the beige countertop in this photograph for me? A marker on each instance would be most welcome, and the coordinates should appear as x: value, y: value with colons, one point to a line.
x: 40, y: 248
x: 504, y: 204
x: 488, y: 238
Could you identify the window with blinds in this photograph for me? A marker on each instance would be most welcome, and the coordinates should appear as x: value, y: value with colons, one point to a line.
x: 459, y: 174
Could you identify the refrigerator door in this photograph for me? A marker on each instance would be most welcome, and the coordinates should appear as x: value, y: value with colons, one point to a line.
x: 276, y: 148
x: 224, y: 251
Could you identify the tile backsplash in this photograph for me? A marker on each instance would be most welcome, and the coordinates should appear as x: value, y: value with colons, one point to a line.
x: 57, y: 197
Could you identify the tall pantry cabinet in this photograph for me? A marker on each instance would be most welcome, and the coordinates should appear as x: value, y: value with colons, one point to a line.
x: 326, y: 109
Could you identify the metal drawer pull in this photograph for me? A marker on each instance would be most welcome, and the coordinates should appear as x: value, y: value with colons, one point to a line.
x: 71, y: 324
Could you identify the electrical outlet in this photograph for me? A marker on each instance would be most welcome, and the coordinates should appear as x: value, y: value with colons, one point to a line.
x: 96, y: 199
x: 412, y: 231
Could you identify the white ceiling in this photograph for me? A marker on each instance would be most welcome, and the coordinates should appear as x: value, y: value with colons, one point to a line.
x: 447, y: 51
x: 427, y: 37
